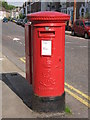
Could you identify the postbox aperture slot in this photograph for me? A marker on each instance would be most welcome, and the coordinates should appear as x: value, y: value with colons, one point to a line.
x: 46, y: 33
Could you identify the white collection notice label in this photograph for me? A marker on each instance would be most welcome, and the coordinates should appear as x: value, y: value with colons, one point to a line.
x: 46, y: 47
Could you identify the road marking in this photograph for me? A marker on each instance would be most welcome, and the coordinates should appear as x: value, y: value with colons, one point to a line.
x: 23, y: 59
x: 83, y: 46
x: 20, y: 42
x: 68, y: 42
x: 78, y: 91
x: 9, y: 37
x: 1, y: 59
x: 79, y: 38
x: 78, y: 98
x: 16, y: 39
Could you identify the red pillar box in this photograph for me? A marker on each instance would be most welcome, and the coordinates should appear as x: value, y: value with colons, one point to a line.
x: 48, y: 60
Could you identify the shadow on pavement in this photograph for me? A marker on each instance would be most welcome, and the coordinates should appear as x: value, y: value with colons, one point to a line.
x: 20, y: 86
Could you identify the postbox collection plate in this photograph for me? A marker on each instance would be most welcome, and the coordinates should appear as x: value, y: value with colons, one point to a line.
x: 46, y: 47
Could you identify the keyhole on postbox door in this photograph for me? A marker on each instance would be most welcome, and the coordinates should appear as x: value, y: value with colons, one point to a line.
x: 59, y: 59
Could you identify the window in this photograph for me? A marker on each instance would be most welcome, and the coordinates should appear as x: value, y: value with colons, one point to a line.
x: 81, y: 24
x: 77, y: 23
x: 82, y: 12
x: 87, y: 23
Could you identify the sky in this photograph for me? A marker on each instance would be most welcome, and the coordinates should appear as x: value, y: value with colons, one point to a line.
x: 20, y: 2
x: 16, y: 2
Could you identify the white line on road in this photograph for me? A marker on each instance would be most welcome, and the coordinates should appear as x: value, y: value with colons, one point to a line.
x: 20, y: 42
x: 78, y: 38
x: 83, y: 46
x: 1, y: 59
x: 16, y: 39
x: 68, y: 42
x: 9, y: 37
x: 82, y: 38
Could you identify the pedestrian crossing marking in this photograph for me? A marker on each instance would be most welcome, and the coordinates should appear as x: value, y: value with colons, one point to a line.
x: 23, y: 59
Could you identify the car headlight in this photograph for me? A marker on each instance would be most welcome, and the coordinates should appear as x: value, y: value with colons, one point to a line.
x: 88, y: 30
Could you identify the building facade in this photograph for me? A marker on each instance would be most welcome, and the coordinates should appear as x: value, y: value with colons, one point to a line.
x: 4, y: 13
x: 65, y: 6
x: 40, y: 5
x: 15, y: 13
x: 81, y: 9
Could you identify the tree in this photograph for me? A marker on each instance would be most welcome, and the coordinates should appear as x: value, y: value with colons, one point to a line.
x: 0, y: 3
x: 21, y: 16
x: 87, y: 15
x: 6, y: 6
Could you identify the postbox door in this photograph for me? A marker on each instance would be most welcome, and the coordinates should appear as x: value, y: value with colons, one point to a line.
x: 48, y: 61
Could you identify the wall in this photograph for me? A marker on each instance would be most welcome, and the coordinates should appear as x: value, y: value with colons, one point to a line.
x: 2, y: 14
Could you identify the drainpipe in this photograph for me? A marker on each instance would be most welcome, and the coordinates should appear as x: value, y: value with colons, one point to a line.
x: 74, y: 11
x: 26, y: 8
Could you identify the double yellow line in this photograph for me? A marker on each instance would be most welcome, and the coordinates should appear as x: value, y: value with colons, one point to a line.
x: 23, y: 59
x: 84, y: 99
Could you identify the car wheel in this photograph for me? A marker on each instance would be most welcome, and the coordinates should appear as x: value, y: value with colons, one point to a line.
x: 86, y: 35
x: 73, y: 33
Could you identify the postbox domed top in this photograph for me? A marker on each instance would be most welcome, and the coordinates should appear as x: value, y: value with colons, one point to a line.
x: 48, y: 16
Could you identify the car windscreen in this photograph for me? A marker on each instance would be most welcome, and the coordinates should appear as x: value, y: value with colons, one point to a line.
x: 21, y: 20
x: 87, y: 23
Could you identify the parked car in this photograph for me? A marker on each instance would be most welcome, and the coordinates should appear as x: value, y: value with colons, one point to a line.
x: 14, y: 20
x: 5, y: 19
x: 11, y: 19
x: 81, y: 28
x: 19, y: 21
x: 24, y: 21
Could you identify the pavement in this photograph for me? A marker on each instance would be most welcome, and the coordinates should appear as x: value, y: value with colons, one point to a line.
x: 16, y: 94
x: 68, y: 32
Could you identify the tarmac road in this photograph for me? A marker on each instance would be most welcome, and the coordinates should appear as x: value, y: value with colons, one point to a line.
x: 13, y: 42
x: 76, y: 56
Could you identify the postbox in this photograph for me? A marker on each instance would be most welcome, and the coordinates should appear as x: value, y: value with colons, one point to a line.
x: 46, y: 58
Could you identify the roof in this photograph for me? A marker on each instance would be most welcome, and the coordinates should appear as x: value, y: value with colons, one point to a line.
x: 2, y: 9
